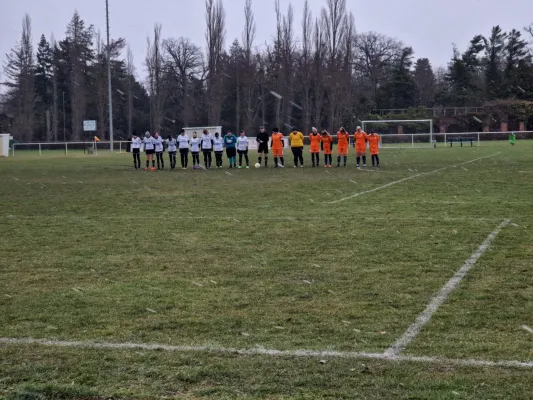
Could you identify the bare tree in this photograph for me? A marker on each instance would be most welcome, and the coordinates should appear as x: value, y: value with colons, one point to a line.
x: 185, y: 60
x: 130, y: 70
x: 288, y: 47
x: 375, y: 55
x: 441, y: 83
x: 282, y: 71
x: 334, y: 23
x: 215, y: 34
x: 279, y: 29
x: 305, y: 64
x: 335, y: 27
x: 154, y: 63
x: 319, y: 55
x: 276, y: 58
x: 249, y: 70
x: 19, y: 70
x: 55, y: 67
x: 347, y: 103
x: 248, y: 34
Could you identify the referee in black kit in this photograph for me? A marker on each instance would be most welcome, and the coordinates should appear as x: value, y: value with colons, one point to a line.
x: 262, y: 145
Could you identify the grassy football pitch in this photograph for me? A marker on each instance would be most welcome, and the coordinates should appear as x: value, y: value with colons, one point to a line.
x: 236, y: 270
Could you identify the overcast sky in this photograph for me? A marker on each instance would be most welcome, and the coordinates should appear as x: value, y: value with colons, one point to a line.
x: 429, y: 26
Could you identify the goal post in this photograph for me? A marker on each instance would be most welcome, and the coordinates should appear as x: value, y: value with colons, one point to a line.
x: 426, y: 137
x: 252, y: 141
x: 199, y: 129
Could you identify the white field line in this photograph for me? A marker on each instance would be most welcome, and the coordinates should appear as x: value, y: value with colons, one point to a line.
x: 81, y: 218
x: 443, y: 294
x: 87, y: 344
x: 407, y: 179
x: 527, y: 328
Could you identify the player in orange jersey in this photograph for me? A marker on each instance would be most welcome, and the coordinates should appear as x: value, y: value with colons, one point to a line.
x: 374, y: 140
x: 276, y: 143
x: 327, y: 146
x: 315, y: 139
x: 343, y: 140
x: 360, y: 145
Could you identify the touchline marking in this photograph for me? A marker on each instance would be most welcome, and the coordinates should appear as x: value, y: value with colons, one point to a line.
x: 527, y: 328
x: 88, y: 218
x: 87, y: 344
x: 443, y: 294
x: 407, y: 179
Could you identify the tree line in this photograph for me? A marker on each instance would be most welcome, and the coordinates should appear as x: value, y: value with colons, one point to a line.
x: 315, y: 72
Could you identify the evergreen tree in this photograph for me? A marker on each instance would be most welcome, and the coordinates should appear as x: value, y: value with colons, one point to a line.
x: 463, y: 77
x: 515, y: 52
x: 20, y: 69
x: 43, y: 90
x: 494, y: 58
x: 425, y: 82
x: 78, y: 46
x: 402, y: 87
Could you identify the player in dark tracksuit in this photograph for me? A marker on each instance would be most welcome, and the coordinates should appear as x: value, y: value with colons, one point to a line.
x: 262, y: 145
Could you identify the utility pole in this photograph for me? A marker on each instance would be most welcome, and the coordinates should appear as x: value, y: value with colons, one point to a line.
x: 238, y: 105
x: 64, y: 120
x: 110, y: 94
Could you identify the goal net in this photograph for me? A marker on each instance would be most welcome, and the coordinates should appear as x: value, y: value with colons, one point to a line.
x: 252, y: 142
x: 402, y: 133
x: 199, y: 129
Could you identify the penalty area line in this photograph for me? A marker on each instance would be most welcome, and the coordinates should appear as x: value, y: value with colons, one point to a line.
x: 407, y: 179
x: 95, y: 345
x: 442, y: 295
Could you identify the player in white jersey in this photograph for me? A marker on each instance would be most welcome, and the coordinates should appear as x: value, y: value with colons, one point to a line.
x: 136, y: 150
x: 159, y: 149
x: 172, y: 146
x: 207, y: 148
x: 149, y: 149
x: 195, y: 150
x: 218, y: 146
x: 242, y: 149
x: 183, y: 146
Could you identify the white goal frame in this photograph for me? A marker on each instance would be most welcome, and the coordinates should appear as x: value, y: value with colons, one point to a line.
x: 399, y: 121
x: 200, y: 129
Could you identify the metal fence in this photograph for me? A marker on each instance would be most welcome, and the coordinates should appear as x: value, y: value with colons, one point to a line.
x: 88, y: 148
x: 415, y: 140
x: 411, y: 140
x: 435, y: 111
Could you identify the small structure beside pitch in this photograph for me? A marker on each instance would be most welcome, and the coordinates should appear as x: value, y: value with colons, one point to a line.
x: 4, y: 144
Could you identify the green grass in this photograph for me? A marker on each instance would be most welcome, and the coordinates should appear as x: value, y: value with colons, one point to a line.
x: 94, y: 250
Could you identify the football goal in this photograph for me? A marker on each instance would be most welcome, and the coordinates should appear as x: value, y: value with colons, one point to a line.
x: 199, y: 129
x: 402, y: 133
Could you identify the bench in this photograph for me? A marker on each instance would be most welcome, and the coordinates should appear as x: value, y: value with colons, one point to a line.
x: 461, y: 140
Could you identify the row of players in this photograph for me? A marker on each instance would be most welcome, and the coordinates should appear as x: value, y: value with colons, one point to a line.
x: 207, y: 144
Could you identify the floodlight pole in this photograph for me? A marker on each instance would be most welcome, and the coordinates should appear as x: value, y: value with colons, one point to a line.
x: 109, y: 89
x: 64, y: 120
